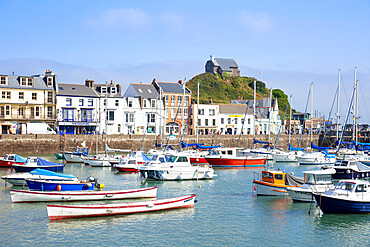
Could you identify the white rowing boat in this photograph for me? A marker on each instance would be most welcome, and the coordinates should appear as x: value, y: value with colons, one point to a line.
x: 57, y: 212
x: 48, y: 196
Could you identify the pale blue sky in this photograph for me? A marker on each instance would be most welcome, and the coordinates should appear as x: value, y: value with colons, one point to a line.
x: 292, y: 42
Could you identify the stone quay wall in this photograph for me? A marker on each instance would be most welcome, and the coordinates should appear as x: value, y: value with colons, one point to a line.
x: 47, y: 144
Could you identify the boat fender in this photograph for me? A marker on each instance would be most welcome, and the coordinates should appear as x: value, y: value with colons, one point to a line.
x: 348, y: 171
x: 88, y: 185
x: 150, y: 205
x: 100, y: 186
x: 59, y: 188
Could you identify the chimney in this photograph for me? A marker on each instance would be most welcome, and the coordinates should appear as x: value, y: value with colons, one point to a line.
x: 118, y: 86
x: 212, y: 57
x: 154, y: 80
x: 111, y: 82
x: 89, y: 83
x: 49, y: 72
x: 180, y: 82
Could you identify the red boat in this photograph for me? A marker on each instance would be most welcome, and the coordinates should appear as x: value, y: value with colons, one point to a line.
x: 232, y: 158
x: 10, y: 159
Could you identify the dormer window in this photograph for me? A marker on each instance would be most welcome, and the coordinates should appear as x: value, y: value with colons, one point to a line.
x: 3, y: 80
x: 149, y: 91
x: 27, y: 81
x: 103, y: 90
x: 50, y: 81
x: 140, y: 91
x: 113, y: 90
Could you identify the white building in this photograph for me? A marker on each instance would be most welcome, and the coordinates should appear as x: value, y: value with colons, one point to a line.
x: 205, y: 119
x: 145, y: 112
x: 77, y: 109
x: 234, y: 119
x: 111, y: 104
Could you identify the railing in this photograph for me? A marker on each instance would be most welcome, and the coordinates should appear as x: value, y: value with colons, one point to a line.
x: 27, y: 116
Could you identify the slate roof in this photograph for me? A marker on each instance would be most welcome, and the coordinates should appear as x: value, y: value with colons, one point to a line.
x: 172, y: 87
x: 147, y: 91
x: 225, y: 63
x: 97, y: 88
x: 76, y: 90
x: 39, y: 82
x: 234, y: 109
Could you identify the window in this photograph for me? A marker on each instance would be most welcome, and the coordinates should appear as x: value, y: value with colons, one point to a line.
x: 150, y: 117
x: 139, y: 89
x: 30, y: 82
x: 50, y: 112
x: 213, y: 122
x: 186, y: 102
x: 7, y: 110
x: 172, y: 100
x: 166, y: 112
x: 153, y: 103
x: 68, y: 114
x: 206, y: 122
x: 81, y: 102
x: 37, y: 111
x: 49, y: 81
x: 117, y: 102
x: 173, y: 114
x: 119, y: 128
x: 222, y: 120
x: 229, y: 152
x: 229, y: 121
x: 86, y: 115
x: 236, y: 121
x: 32, y: 112
x: 110, y: 115
x: 129, y: 117
x: 166, y: 99
x: 3, y: 80
x: 105, y: 102
x: 199, y: 122
x: 149, y: 91
x: 179, y: 100
x: 130, y: 103
x: 90, y: 102
x: 50, y: 97
x: 34, y: 96
x: 5, y: 95
x: 249, y: 121
x: 185, y: 111
x: 113, y: 90
x: 144, y: 103
x: 68, y: 102
x: 23, y: 81
x: 21, y: 111
x: 211, y: 112
x: 103, y: 90
x: 242, y: 120
x: 201, y: 111
x: 179, y: 111
x: 279, y: 176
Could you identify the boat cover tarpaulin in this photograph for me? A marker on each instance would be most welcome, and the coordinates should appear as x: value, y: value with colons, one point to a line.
x: 207, y: 147
x: 19, y: 159
x: 186, y: 145
x: 291, y: 148
x: 319, y: 148
x: 50, y: 173
x: 260, y: 142
x: 293, y: 180
x: 42, y: 162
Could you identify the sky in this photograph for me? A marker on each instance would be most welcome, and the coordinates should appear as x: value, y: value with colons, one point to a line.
x: 293, y: 43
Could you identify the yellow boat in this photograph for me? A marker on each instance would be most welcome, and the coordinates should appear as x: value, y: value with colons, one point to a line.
x: 275, y: 182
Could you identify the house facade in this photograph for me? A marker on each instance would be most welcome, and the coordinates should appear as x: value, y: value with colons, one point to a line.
x: 235, y: 119
x: 111, y: 105
x: 149, y: 113
x: 27, y: 99
x: 77, y: 109
x: 205, y: 119
x: 177, y: 99
x: 221, y: 66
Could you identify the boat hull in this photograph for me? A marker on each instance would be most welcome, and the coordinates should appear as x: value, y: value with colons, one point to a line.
x: 198, y: 160
x: 73, y: 158
x: 59, y: 156
x: 8, y: 163
x: 126, y: 169
x: 285, y: 158
x: 300, y: 195
x: 98, y: 163
x: 235, y: 163
x: 20, y: 196
x: 178, y: 174
x: 64, y: 186
x: 25, y: 168
x: 56, y: 212
x: 348, y: 173
x: 266, y: 189
x: 330, y: 205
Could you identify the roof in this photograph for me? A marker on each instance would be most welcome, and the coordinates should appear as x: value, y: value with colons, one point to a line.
x: 234, y: 109
x: 225, y: 63
x: 147, y: 91
x: 76, y: 90
x: 97, y: 88
x: 173, y: 87
x: 39, y: 82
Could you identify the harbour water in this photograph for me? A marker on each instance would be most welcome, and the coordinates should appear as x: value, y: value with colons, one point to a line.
x: 227, y: 214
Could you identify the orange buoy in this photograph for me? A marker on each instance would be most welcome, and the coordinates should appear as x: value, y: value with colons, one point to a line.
x: 59, y: 187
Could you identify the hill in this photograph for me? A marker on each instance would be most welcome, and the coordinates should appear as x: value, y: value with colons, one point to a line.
x: 213, y: 88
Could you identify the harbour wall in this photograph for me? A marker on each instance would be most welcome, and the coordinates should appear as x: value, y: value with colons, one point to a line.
x: 46, y: 144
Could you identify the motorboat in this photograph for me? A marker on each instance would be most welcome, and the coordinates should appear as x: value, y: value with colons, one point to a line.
x: 347, y: 197
x: 132, y: 162
x: 176, y: 168
x: 32, y: 163
x: 46, y: 185
x: 275, y: 182
x: 19, y: 179
x: 262, y: 152
x: 76, y: 156
x: 316, y: 158
x: 47, y: 196
x: 100, y: 160
x: 317, y: 181
x: 350, y: 169
x: 57, y: 212
x: 10, y: 159
x: 282, y: 156
x: 233, y: 158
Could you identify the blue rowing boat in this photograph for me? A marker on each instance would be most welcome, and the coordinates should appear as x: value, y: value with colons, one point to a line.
x: 62, y: 185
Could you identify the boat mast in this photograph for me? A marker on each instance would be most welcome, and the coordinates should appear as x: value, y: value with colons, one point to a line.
x: 197, y: 112
x: 290, y: 118
x: 356, y: 127
x: 270, y: 108
x: 183, y: 106
x: 354, y: 110
x: 254, y: 113
x: 338, y: 93
x: 106, y: 117
x: 311, y: 110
